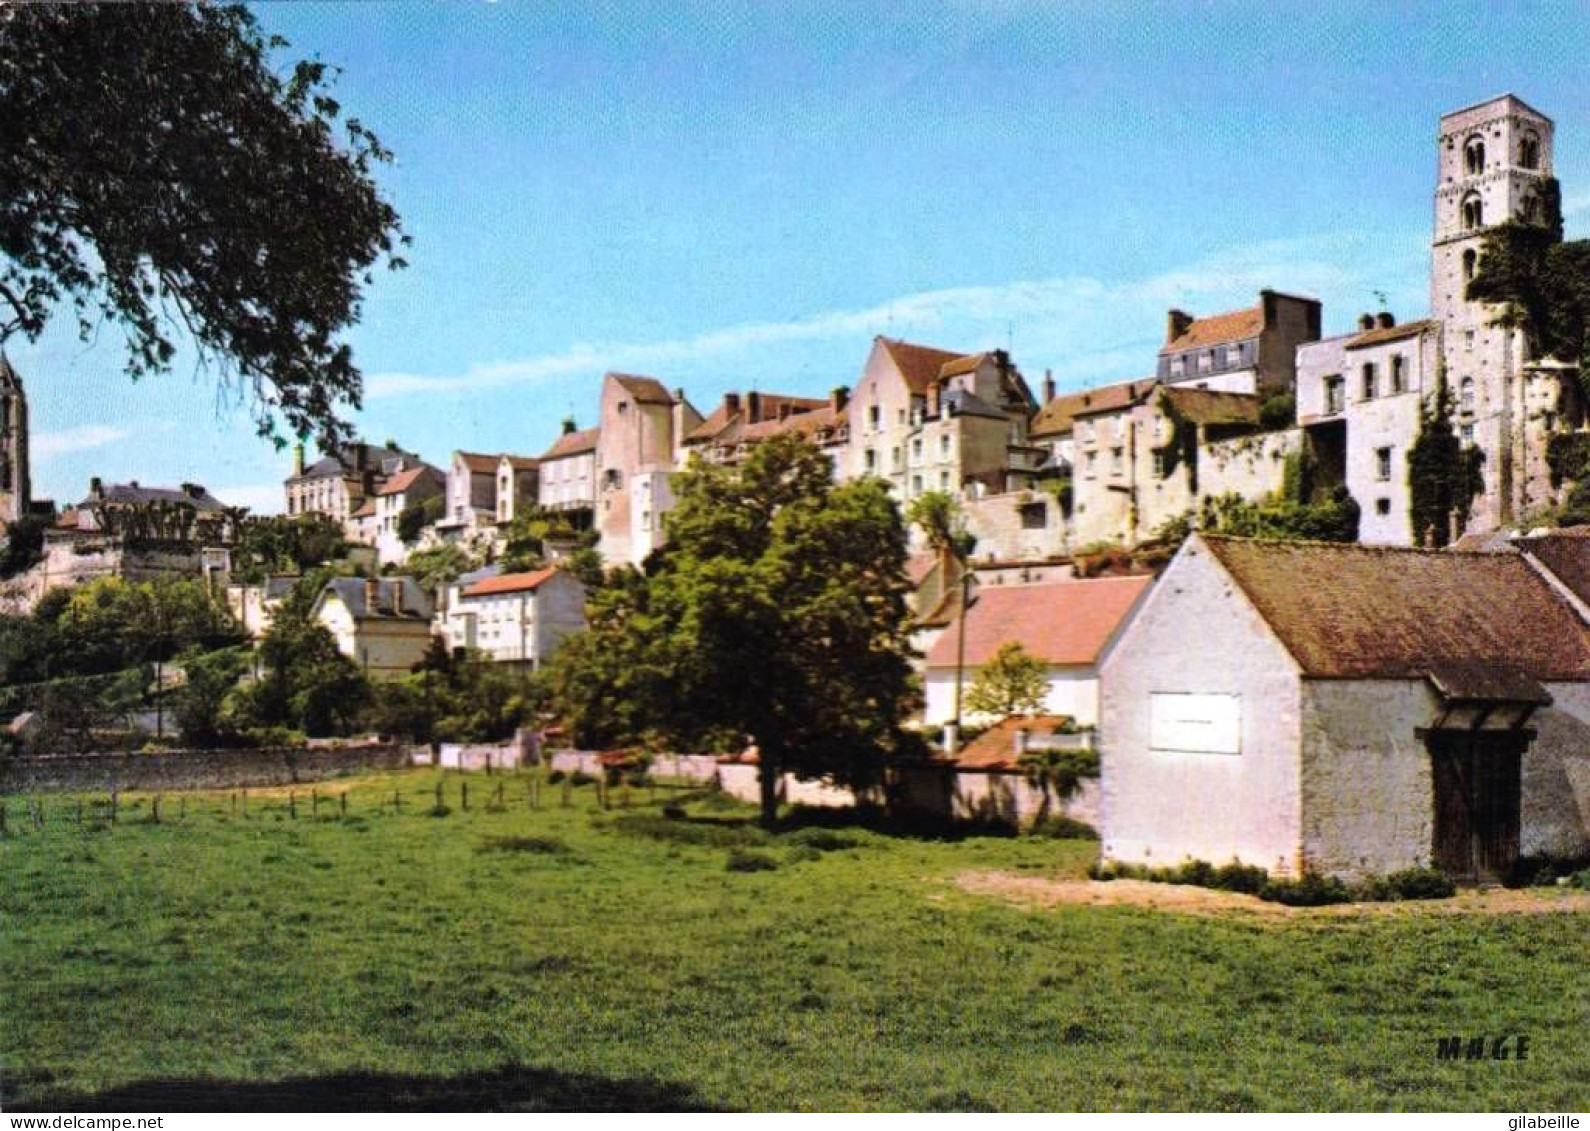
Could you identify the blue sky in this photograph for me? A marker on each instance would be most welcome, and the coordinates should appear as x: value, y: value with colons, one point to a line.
x: 742, y: 196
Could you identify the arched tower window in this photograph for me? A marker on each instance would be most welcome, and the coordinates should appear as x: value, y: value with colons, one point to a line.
x: 1529, y: 208
x: 1473, y: 212
x: 1529, y: 151
x: 1474, y: 156
x: 1471, y: 259
x: 1466, y: 396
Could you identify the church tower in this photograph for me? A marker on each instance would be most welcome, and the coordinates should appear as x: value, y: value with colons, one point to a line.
x: 14, y: 485
x: 1494, y: 164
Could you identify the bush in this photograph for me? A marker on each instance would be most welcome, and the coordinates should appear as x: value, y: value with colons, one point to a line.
x: 1309, y: 890
x: 1419, y: 883
x: 1063, y: 828
x: 1543, y: 870
x: 749, y: 860
x: 1249, y: 879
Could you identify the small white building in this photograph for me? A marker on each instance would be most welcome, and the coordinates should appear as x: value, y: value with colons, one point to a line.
x: 408, y: 488
x: 383, y: 624
x: 1348, y: 710
x: 567, y: 478
x: 517, y: 618
x: 1066, y: 623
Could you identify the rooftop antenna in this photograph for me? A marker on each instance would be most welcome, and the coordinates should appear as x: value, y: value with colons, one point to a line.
x: 1381, y: 299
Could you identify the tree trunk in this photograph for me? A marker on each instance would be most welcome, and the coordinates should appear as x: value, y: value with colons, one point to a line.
x: 767, y: 775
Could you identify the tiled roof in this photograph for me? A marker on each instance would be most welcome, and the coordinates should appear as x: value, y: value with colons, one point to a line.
x: 1566, y: 554
x: 801, y: 423
x: 521, y: 463
x: 404, y: 480
x: 713, y: 425
x: 1348, y: 611
x: 365, y: 509
x: 919, y: 365
x: 967, y: 364
x: 645, y: 390
x: 1206, y: 406
x: 478, y: 462
x: 351, y: 591
x: 1060, y: 622
x: 345, y: 460
x: 1391, y: 333
x: 573, y: 444
x: 1218, y: 329
x: 723, y: 423
x: 1055, y: 418
x: 509, y: 583
x: 129, y: 493
x: 995, y: 748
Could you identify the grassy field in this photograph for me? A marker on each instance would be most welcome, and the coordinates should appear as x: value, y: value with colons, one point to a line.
x: 573, y: 958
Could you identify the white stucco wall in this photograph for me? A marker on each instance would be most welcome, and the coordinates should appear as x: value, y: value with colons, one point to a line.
x: 1196, y: 633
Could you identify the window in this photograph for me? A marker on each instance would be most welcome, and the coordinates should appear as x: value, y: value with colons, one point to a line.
x: 623, y: 407
x: 1529, y: 207
x: 1466, y: 434
x: 902, y: 416
x: 1369, y: 380
x: 916, y: 451
x: 1159, y: 426
x: 1085, y: 430
x: 1117, y: 461
x: 1399, y: 373
x: 1159, y: 464
x: 944, y: 446
x: 1474, y: 156
x: 944, y: 481
x: 1548, y: 420
x: 1383, y: 463
x: 1178, y: 365
x: 1471, y: 259
x: 1529, y: 151
x: 1334, y: 394
x: 1382, y: 507
x: 612, y: 478
x: 895, y: 461
x: 1473, y: 212
x: 1233, y: 355
x: 916, y: 484
x: 1034, y: 516
x: 1206, y: 361
x: 1468, y: 339
x: 1466, y: 396
x: 870, y: 458
x: 1090, y: 463
x: 874, y: 416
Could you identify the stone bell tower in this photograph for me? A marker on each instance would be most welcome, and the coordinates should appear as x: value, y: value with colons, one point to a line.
x: 14, y: 485
x: 1494, y: 162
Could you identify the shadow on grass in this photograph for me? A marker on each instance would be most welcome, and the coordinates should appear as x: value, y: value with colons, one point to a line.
x: 741, y: 829
x: 511, y: 1088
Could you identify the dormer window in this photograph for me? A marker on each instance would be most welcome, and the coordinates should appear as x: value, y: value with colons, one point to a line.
x: 1178, y: 366
x: 1206, y: 361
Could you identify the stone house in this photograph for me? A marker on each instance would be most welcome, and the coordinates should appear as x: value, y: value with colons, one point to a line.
x: 1347, y: 710
x: 1066, y: 623
x: 338, y: 483
x: 408, y: 488
x: 1359, y: 398
x: 517, y: 618
x: 471, y: 494
x: 383, y: 624
x: 637, y: 446
x: 721, y: 436
x: 568, y: 471
x: 518, y: 479
x: 1242, y: 351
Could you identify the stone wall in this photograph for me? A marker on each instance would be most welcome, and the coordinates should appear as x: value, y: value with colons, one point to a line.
x: 1000, y: 527
x: 194, y: 769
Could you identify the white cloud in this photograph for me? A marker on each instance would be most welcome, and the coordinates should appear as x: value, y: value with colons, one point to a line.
x: 260, y: 498
x: 46, y: 445
x: 1083, y: 326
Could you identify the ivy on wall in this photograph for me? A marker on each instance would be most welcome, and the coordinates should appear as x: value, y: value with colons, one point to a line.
x: 1443, y: 474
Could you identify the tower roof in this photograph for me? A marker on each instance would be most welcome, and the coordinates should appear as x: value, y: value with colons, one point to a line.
x: 1508, y: 98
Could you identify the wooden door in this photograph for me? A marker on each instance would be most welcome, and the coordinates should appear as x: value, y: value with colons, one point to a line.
x: 1477, y: 777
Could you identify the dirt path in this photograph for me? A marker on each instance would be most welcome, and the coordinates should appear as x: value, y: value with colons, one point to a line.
x: 1035, y: 891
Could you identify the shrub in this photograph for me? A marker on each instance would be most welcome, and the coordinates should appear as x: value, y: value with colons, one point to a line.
x: 1249, y: 879
x: 1543, y: 870
x: 803, y: 853
x: 717, y: 834
x: 1420, y: 883
x: 749, y: 860
x: 1309, y: 890
x: 1063, y: 828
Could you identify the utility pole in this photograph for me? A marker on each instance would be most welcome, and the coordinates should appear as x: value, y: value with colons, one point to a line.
x: 953, y: 744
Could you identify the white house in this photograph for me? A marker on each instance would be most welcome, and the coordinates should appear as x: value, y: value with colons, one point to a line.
x: 382, y: 624
x: 1348, y: 710
x: 518, y: 618
x: 405, y: 489
x: 568, y: 470
x: 1066, y: 623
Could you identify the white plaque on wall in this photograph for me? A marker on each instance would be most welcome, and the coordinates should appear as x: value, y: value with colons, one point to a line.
x: 1195, y: 723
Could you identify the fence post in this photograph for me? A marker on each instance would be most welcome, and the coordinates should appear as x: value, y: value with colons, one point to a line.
x: 292, y: 804
x: 344, y: 803
x: 314, y: 802
x: 114, y: 799
x: 499, y: 795
x: 488, y: 763
x: 568, y: 795
x: 234, y: 804
x: 154, y: 810
x: 439, y: 786
x: 397, y: 802
x: 245, y: 804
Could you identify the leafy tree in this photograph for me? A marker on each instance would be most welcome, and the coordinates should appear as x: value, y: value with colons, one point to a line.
x: 1058, y: 774
x: 586, y: 564
x: 159, y: 173
x: 309, y: 685
x: 23, y: 546
x: 525, y: 538
x: 439, y: 565
x: 1443, y: 475
x: 775, y: 615
x: 111, y: 623
x: 414, y: 518
x: 939, y: 516
x: 1282, y: 519
x: 286, y: 544
x: 199, y: 707
x: 1014, y: 682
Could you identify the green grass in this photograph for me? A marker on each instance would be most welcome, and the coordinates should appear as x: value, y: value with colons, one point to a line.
x: 565, y: 958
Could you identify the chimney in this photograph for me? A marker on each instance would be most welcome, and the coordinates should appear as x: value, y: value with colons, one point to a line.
x: 1268, y: 307
x: 753, y: 406
x: 397, y: 597
x: 361, y: 456
x: 372, y: 595
x: 298, y: 459
x: 1048, y: 385
x: 1366, y: 321
x: 133, y: 483
x: 96, y: 487
x: 568, y: 425
x: 934, y: 392
x: 1177, y: 322
x: 731, y: 404
x: 1385, y: 320
x: 192, y: 490
x: 839, y: 398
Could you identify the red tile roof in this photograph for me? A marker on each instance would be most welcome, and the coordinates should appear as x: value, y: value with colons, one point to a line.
x: 365, y: 509
x: 1566, y: 553
x: 402, y: 481
x: 1348, y: 611
x: 919, y: 365
x: 1066, y: 623
x: 645, y: 390
x: 509, y: 583
x: 478, y: 462
x: 1391, y: 334
x: 995, y: 748
x: 1055, y: 418
x: 967, y: 364
x: 800, y: 423
x: 521, y: 463
x: 1218, y: 329
x: 573, y: 444
x: 1206, y: 406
